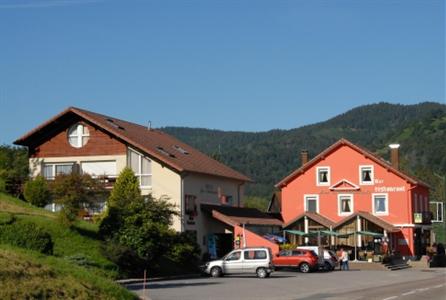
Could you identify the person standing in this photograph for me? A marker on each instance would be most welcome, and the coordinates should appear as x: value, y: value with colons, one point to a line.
x: 339, y: 254
x: 344, y: 260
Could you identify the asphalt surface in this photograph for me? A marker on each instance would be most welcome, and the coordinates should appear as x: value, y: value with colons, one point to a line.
x: 407, y: 284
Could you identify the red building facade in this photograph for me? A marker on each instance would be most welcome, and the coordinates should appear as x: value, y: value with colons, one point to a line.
x: 348, y: 189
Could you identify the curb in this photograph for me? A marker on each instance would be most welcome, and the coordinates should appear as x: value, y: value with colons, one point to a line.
x: 151, y: 279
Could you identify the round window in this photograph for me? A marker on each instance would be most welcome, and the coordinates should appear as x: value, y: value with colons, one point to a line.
x: 78, y: 135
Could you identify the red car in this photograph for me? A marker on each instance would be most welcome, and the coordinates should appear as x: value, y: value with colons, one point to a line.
x: 304, y: 260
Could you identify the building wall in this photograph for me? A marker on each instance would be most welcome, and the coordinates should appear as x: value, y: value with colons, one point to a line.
x: 99, y: 143
x: 403, y: 198
x: 166, y: 184
x: 254, y: 240
x: 207, y: 189
x: 344, y: 164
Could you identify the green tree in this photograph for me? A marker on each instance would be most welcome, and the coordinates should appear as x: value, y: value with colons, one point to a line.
x: 146, y: 227
x: 75, y: 192
x: 125, y: 191
x: 14, y: 169
x: 37, y: 192
x: 256, y: 202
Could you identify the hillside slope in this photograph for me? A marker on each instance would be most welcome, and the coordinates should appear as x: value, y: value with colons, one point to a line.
x: 269, y: 156
x: 76, y: 270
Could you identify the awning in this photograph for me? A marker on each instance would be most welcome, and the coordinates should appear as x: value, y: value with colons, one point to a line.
x: 296, y: 232
x: 369, y: 233
x: 323, y: 232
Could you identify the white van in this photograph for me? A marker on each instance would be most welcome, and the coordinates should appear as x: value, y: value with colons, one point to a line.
x: 246, y: 260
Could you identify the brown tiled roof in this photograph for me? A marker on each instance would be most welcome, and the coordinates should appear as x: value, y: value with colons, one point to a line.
x: 324, y: 221
x: 368, y: 216
x: 361, y: 150
x: 155, y: 143
x: 240, y: 215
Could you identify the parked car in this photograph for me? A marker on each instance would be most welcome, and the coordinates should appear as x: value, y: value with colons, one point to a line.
x: 303, y: 259
x: 330, y: 261
x: 247, y: 260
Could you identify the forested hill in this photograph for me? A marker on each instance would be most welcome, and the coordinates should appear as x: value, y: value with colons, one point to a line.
x: 269, y: 156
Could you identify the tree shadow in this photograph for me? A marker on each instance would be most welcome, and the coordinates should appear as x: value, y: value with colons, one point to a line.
x: 86, y: 232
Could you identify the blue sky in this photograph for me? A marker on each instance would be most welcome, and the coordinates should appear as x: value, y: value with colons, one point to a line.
x: 230, y: 65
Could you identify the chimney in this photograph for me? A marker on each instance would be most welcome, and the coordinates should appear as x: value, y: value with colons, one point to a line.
x: 394, y: 155
x: 303, y: 157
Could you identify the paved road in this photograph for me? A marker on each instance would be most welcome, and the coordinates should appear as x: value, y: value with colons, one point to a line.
x: 385, y: 285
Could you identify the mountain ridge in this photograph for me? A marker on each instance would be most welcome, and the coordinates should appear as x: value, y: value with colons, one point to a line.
x: 268, y: 156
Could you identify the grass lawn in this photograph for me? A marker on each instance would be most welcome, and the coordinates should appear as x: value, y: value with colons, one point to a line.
x: 26, y: 274
x: 77, y: 268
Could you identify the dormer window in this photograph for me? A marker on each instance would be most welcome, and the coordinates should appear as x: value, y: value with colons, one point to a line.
x: 366, y: 175
x: 323, y: 175
x: 78, y: 135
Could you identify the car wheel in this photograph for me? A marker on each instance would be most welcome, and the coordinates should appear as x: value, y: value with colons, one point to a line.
x: 261, y: 273
x: 304, y: 267
x: 327, y: 266
x: 216, y: 272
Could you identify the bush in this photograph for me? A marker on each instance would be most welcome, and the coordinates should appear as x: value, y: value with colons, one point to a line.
x: 75, y: 192
x: 128, y: 262
x: 37, y: 192
x: 27, y: 235
x: 6, y: 218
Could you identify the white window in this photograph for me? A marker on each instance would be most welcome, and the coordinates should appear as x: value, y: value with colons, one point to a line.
x: 51, y: 170
x: 99, y: 168
x: 437, y: 209
x: 311, y: 203
x: 78, y: 135
x: 142, y: 166
x: 323, y: 175
x: 345, y: 204
x: 380, y: 204
x: 366, y: 175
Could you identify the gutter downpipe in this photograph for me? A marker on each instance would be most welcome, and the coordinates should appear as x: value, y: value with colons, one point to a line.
x: 411, y: 221
x: 244, y: 236
x: 184, y: 175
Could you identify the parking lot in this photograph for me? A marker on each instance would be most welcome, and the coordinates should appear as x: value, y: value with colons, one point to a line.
x: 355, y: 284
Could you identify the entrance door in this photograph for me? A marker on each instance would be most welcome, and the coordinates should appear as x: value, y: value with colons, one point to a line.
x: 418, y: 242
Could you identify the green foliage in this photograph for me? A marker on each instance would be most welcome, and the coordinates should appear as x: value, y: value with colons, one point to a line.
x: 26, y: 274
x: 2, y: 185
x: 37, y: 192
x: 184, y: 250
x: 125, y: 190
x: 129, y: 263
x: 27, y: 235
x: 267, y: 157
x: 288, y: 246
x: 73, y: 192
x: 260, y: 203
x: 6, y: 218
x: 146, y: 227
x: 14, y: 169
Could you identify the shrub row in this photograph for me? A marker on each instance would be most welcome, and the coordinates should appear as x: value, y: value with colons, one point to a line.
x: 26, y: 235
